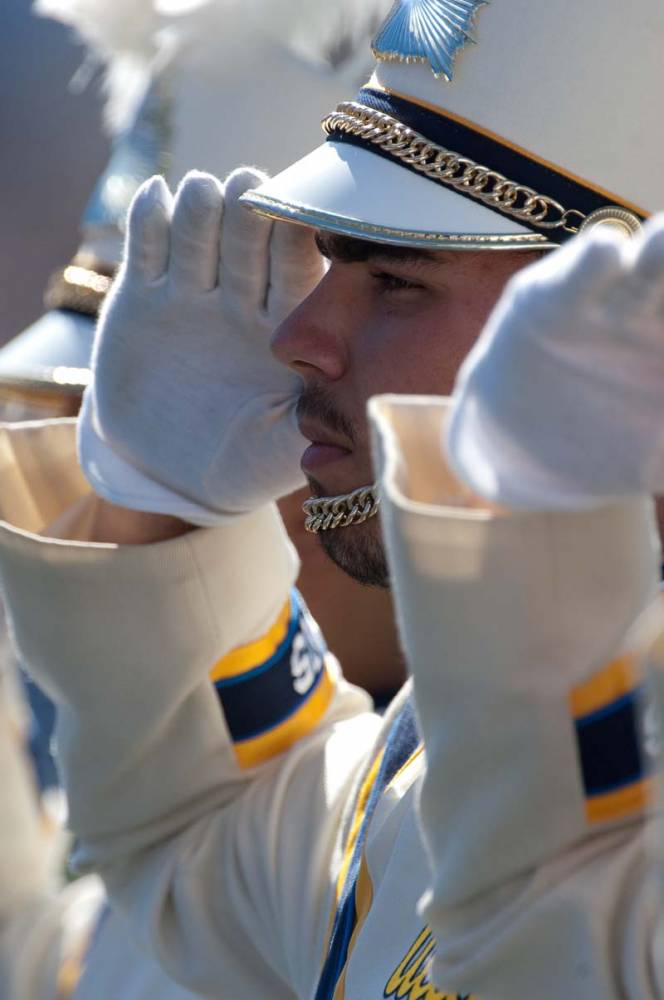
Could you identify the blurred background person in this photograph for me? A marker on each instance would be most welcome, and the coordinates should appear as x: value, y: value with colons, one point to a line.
x: 53, y: 149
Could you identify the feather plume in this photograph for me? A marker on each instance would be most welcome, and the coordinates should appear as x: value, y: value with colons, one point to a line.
x: 129, y: 38
x: 327, y: 32
x: 120, y: 35
x: 321, y: 31
x: 176, y: 8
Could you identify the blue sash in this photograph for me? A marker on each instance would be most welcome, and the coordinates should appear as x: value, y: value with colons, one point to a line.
x: 402, y: 743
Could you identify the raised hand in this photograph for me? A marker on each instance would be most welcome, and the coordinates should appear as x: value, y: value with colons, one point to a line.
x: 561, y: 402
x: 188, y: 412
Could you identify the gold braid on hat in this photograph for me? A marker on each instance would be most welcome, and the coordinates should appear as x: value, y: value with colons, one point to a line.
x: 81, y: 287
x: 328, y: 513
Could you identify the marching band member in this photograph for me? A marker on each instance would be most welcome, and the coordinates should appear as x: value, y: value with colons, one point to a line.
x: 258, y: 826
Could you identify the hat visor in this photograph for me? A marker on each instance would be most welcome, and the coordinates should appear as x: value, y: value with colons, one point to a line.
x: 52, y: 353
x: 349, y: 190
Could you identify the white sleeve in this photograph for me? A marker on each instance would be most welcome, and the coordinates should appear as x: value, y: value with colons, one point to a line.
x: 529, y: 682
x: 210, y: 808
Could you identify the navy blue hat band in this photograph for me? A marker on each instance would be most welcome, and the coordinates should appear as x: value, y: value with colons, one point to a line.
x: 476, y: 165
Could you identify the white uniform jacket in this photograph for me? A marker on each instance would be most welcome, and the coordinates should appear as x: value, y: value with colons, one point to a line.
x: 219, y: 768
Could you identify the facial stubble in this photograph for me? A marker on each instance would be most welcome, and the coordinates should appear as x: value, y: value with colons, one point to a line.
x: 357, y: 550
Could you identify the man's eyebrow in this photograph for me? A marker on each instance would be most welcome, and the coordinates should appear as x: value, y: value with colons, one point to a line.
x: 350, y: 250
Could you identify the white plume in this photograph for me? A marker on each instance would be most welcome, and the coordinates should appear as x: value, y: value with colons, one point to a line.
x: 321, y: 31
x: 109, y: 26
x: 179, y: 7
x: 119, y: 34
x: 329, y: 31
x: 131, y: 37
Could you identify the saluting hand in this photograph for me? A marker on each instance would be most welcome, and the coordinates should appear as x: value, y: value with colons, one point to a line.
x: 188, y: 413
x: 561, y: 402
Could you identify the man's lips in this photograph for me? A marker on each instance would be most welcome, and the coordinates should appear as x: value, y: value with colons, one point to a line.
x: 324, y: 449
x: 318, y: 455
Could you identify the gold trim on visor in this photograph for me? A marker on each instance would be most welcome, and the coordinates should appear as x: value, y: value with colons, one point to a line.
x: 275, y: 208
x: 451, y: 169
x: 328, y: 513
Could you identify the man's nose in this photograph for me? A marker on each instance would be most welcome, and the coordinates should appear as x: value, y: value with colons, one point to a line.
x: 310, y: 340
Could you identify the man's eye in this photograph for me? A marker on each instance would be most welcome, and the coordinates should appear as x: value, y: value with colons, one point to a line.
x: 392, y: 283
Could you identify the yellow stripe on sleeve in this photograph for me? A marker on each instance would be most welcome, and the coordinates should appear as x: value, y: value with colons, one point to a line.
x: 613, y: 682
x: 622, y: 803
x: 239, y: 661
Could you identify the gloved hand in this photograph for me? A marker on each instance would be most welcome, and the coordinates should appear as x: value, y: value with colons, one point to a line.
x: 188, y: 413
x: 561, y: 402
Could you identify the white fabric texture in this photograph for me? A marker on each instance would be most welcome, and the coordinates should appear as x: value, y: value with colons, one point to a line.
x: 188, y: 413
x: 560, y: 404
x: 227, y: 875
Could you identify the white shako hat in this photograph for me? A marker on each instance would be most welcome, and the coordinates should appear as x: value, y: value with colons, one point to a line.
x: 501, y: 125
x: 512, y: 125
x: 184, y: 94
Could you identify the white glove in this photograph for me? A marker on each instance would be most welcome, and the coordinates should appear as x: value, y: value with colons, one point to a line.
x: 560, y: 404
x: 188, y: 413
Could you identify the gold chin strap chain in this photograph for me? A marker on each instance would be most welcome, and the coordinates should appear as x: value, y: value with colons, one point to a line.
x: 328, y: 513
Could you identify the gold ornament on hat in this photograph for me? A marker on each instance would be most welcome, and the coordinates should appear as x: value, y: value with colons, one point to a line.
x: 427, y: 31
x: 620, y: 220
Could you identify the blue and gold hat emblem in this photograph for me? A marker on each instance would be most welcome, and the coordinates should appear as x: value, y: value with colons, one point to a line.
x: 428, y: 31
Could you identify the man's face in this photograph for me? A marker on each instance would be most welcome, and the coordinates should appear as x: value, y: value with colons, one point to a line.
x: 383, y: 319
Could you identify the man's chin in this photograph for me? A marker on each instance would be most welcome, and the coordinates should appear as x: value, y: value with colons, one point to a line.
x: 358, y: 551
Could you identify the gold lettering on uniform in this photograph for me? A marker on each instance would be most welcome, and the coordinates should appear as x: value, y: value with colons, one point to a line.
x: 410, y: 980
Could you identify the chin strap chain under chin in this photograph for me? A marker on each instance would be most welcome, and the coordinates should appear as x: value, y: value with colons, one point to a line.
x: 328, y: 513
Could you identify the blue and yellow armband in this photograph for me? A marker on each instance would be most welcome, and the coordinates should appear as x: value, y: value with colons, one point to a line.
x: 275, y: 690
